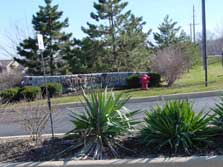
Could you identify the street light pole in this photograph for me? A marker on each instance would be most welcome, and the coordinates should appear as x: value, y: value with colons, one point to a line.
x: 204, y: 41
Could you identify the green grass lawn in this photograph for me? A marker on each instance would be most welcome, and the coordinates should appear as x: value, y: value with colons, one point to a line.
x: 192, y: 81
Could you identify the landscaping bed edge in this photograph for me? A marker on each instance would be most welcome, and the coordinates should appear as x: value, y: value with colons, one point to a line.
x: 202, y: 161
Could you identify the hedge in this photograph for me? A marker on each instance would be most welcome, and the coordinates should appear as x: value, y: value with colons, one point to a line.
x: 133, y: 81
x: 29, y: 93
x: 55, y: 89
x: 155, y: 79
x: 10, y: 95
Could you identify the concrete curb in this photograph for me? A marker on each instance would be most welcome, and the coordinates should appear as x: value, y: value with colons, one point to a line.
x: 13, y: 138
x: 158, y: 98
x: 178, y: 96
x: 205, y: 161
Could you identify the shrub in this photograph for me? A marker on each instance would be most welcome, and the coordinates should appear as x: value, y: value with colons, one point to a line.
x: 54, y: 89
x: 133, y: 81
x: 10, y: 79
x: 218, y: 110
x: 175, y: 126
x: 105, y: 118
x: 155, y: 80
x: 9, y: 95
x: 34, y: 119
x: 29, y: 93
x: 170, y: 63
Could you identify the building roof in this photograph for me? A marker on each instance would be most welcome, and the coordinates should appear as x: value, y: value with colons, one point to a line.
x: 5, y: 63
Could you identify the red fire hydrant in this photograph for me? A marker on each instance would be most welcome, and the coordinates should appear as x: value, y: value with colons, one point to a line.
x: 145, y: 81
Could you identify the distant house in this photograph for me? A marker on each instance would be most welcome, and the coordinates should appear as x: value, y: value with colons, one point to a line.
x: 9, y: 66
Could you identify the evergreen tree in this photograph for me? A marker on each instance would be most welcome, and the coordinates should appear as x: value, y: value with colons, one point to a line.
x: 169, y: 33
x: 133, y: 45
x: 171, y: 36
x: 110, y: 30
x: 28, y: 50
x: 47, y: 21
x: 81, y: 56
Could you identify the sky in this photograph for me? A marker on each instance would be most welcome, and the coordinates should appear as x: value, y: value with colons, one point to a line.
x: 19, y: 12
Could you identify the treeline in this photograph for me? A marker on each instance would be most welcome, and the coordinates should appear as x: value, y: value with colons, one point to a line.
x: 116, y: 40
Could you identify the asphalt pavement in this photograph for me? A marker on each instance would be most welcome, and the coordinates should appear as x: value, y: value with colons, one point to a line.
x: 11, y: 125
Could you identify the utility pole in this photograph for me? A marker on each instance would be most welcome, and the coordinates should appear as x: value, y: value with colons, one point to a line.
x: 191, y: 35
x: 204, y: 41
x: 194, y: 31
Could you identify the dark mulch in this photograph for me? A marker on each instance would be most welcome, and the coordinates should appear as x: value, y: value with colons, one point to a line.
x: 142, y: 151
x: 24, y: 150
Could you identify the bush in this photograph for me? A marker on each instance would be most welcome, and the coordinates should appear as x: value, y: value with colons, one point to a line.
x: 155, y: 80
x: 175, y: 126
x: 218, y: 110
x: 105, y: 118
x: 29, y: 93
x: 170, y: 62
x: 133, y: 81
x: 10, y: 79
x: 9, y: 95
x: 34, y: 119
x: 55, y: 89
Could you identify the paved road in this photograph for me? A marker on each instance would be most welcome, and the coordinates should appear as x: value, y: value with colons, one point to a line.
x: 10, y: 124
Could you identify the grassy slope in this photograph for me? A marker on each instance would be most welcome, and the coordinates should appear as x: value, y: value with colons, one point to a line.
x: 190, y: 82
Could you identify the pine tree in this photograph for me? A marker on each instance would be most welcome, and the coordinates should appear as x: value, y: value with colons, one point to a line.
x: 47, y: 21
x: 82, y: 58
x: 169, y: 33
x: 133, y: 45
x: 30, y: 58
x: 109, y: 30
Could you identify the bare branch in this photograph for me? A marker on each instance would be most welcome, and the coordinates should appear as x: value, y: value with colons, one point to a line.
x: 12, y: 37
x: 170, y: 62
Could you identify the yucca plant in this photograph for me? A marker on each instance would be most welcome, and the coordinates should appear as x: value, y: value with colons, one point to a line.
x: 218, y: 111
x: 176, y: 127
x: 97, y: 129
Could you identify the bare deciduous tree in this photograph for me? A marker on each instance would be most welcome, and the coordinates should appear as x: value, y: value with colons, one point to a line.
x: 10, y: 79
x: 34, y: 120
x: 170, y: 63
x: 12, y: 37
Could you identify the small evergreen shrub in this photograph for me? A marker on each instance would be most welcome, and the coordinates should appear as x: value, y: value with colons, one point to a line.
x: 9, y: 95
x: 55, y: 89
x: 29, y: 93
x: 133, y: 81
x: 176, y: 127
x: 155, y: 79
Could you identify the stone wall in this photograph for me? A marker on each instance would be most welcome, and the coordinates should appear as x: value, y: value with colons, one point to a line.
x: 94, y: 80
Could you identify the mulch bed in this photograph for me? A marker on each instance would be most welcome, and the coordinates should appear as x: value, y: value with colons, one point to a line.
x: 25, y: 150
